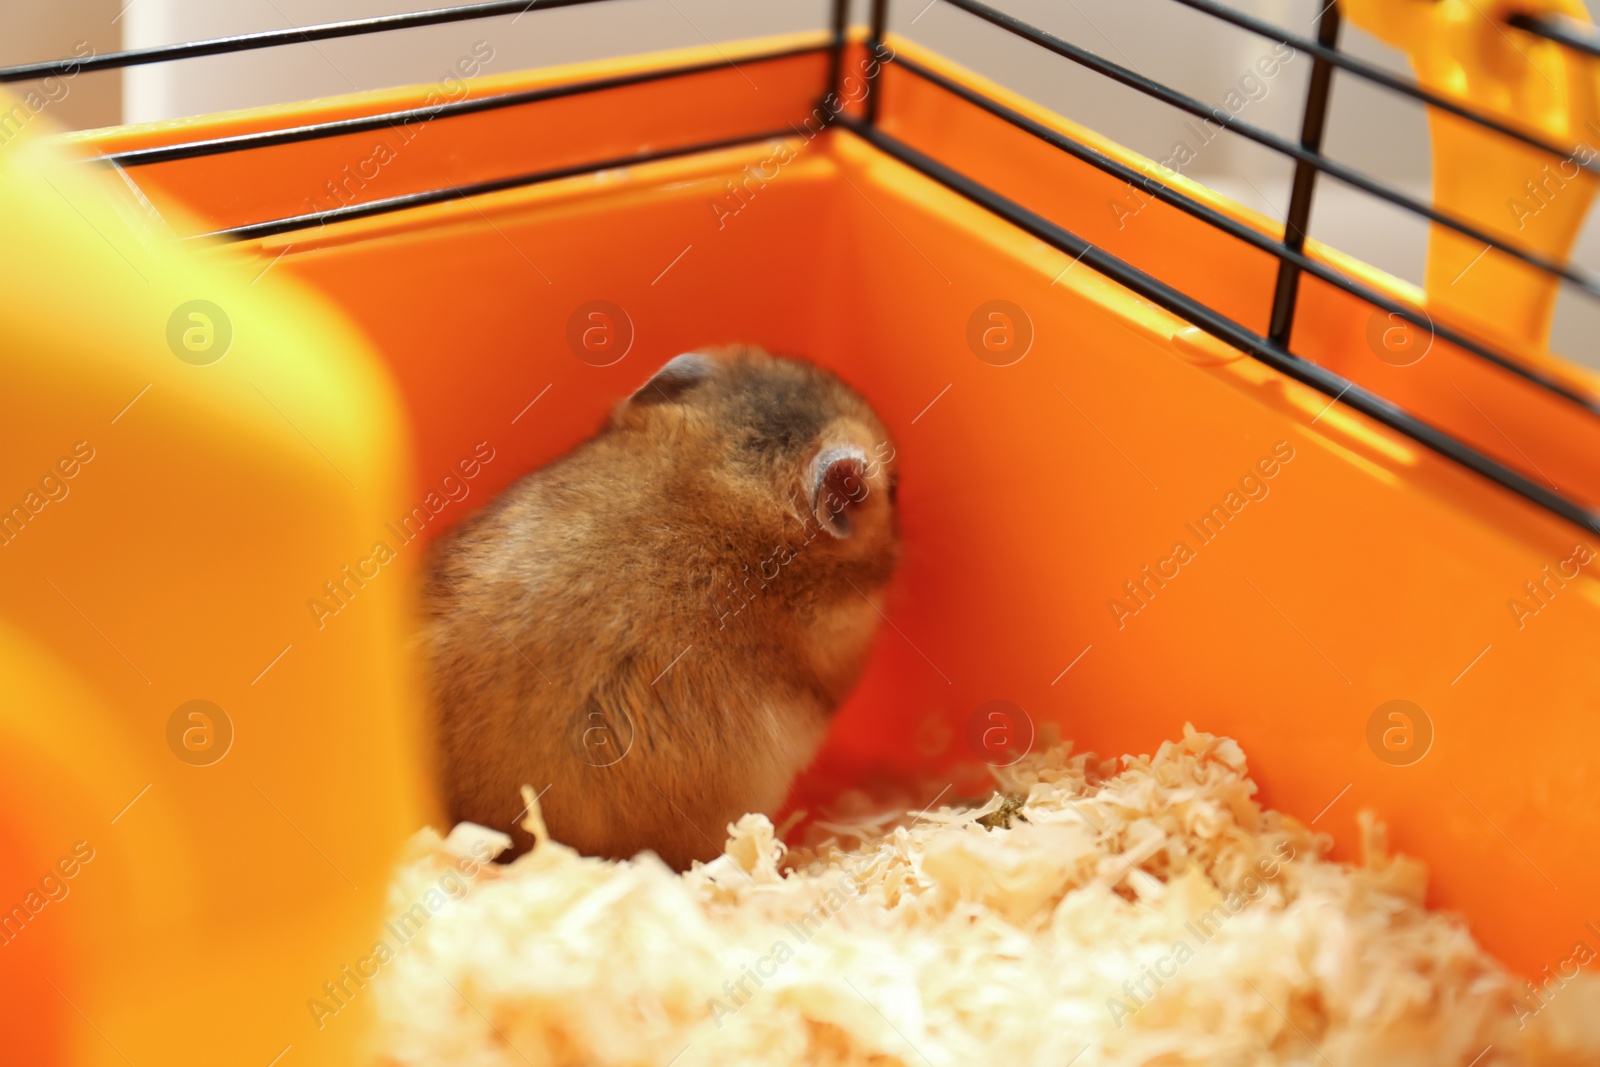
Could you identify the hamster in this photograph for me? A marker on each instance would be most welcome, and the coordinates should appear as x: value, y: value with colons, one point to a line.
x: 653, y: 630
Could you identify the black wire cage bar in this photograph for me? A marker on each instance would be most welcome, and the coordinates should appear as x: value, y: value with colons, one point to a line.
x: 1562, y: 30
x: 1271, y: 349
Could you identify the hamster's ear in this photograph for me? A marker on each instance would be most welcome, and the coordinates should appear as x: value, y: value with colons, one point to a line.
x: 676, y: 377
x: 838, y: 486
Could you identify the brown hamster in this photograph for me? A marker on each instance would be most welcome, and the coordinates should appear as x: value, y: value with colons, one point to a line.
x: 655, y: 628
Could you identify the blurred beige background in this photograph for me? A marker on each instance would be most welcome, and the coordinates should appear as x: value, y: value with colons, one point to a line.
x: 1384, y: 135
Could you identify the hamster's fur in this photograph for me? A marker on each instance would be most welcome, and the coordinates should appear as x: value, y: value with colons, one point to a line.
x: 654, y: 629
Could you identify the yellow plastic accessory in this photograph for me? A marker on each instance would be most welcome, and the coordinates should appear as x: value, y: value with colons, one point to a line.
x: 1464, y: 49
x: 201, y: 789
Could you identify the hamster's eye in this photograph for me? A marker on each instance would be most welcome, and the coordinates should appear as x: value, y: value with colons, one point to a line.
x: 894, y: 488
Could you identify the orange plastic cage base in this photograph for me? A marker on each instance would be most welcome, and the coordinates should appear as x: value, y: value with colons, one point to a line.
x: 1043, y: 500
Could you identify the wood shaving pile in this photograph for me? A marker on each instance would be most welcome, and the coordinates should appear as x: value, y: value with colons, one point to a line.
x: 1140, y: 911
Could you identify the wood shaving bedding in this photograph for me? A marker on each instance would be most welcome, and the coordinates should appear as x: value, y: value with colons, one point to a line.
x: 1141, y: 911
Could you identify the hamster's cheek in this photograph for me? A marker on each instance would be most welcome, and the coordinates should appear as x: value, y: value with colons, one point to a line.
x: 840, y: 638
